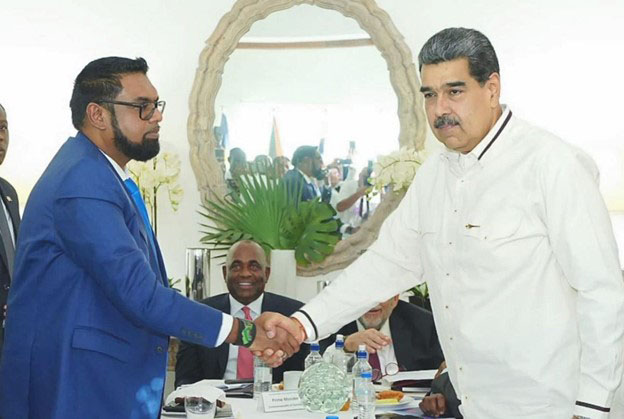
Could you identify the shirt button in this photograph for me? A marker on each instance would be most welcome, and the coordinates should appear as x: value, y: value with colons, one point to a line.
x: 446, y: 306
x: 450, y: 243
x: 159, y: 349
x: 448, y: 274
x: 461, y: 368
x: 451, y: 338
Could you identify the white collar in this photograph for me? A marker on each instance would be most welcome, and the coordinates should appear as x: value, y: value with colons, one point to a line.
x: 306, y: 177
x: 123, y: 173
x: 255, y: 306
x: 478, y: 149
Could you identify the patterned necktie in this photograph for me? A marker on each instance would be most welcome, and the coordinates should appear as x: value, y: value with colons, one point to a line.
x: 244, y: 365
x: 133, y: 189
x: 7, y: 240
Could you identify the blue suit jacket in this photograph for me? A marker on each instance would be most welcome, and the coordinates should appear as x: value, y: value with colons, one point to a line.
x: 90, y: 311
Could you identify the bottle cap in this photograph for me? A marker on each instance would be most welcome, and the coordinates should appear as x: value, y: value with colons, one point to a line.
x: 314, y: 346
x: 339, y: 341
x: 361, y: 352
x: 332, y: 417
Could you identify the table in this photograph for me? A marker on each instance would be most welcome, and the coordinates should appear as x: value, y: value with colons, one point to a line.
x: 248, y: 409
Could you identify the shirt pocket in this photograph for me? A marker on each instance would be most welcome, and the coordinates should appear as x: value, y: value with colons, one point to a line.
x: 91, y: 339
x: 499, y: 226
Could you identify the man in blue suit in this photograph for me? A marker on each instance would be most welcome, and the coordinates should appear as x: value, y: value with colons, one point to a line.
x: 90, y: 311
x: 308, y: 166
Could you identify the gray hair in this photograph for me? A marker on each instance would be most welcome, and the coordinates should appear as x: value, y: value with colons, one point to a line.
x: 453, y: 43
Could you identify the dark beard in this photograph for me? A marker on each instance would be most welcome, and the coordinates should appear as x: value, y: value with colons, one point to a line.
x: 142, y: 151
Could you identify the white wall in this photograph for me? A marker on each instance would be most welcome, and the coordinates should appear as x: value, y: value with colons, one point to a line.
x: 560, y: 66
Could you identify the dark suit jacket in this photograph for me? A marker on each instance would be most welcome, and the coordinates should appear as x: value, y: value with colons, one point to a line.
x: 414, y: 337
x: 9, y: 197
x: 195, y: 362
x: 295, y: 180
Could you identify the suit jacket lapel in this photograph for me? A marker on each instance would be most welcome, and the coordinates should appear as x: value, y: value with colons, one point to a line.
x: 155, y: 260
x: 9, y: 208
x: 402, y: 350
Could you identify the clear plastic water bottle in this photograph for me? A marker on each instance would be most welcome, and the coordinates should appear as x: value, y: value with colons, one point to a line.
x: 263, y: 377
x: 361, y: 366
x: 339, y: 358
x: 365, y: 396
x: 314, y: 356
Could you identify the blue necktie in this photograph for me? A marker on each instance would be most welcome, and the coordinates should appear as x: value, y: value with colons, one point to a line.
x: 133, y: 189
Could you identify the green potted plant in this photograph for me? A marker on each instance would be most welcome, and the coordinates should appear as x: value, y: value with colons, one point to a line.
x: 269, y: 212
x: 420, y: 296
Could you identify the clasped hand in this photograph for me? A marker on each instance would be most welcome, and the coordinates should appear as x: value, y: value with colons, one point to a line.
x: 277, y: 338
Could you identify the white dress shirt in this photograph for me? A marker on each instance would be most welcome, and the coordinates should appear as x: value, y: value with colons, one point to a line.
x: 226, y: 322
x: 312, y: 182
x: 523, y: 272
x: 236, y: 310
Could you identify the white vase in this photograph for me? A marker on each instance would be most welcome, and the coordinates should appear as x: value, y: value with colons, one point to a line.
x: 283, y: 279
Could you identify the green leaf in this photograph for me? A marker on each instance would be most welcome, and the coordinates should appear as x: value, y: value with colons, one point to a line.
x: 269, y: 212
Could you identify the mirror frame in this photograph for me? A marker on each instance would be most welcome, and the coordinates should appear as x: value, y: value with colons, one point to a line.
x: 222, y: 43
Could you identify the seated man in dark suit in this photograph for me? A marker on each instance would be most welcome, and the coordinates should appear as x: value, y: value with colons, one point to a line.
x: 246, y: 273
x: 308, y: 166
x: 395, y: 332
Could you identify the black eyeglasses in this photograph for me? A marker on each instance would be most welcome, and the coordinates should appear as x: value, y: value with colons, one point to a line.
x: 146, y: 109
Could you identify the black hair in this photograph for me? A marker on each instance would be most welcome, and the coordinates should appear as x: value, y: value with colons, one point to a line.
x: 302, y: 152
x: 453, y: 43
x: 101, y: 80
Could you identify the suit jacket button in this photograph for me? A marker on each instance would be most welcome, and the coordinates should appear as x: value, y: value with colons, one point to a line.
x: 159, y: 349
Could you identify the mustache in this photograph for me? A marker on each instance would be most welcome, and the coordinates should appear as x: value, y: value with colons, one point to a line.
x: 445, y: 120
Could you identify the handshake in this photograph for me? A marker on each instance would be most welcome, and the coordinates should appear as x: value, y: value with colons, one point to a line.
x: 272, y: 337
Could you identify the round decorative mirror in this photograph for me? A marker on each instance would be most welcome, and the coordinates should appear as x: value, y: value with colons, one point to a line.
x: 225, y: 40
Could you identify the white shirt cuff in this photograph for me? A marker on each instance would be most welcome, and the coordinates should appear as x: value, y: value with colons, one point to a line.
x: 226, y: 328
x: 307, y: 326
x: 586, y: 412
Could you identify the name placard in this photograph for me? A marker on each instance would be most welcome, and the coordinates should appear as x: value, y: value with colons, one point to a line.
x: 279, y: 401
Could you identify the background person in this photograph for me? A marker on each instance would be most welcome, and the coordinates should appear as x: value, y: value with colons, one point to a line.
x: 9, y: 225
x: 246, y: 273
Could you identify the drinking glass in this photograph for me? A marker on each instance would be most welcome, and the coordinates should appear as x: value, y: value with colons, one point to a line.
x: 199, y: 408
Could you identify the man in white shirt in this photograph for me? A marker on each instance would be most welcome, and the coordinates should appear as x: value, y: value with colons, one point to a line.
x: 246, y: 273
x: 509, y: 229
x: 396, y: 334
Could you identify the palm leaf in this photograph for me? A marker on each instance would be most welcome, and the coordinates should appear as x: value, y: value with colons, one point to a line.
x: 268, y: 211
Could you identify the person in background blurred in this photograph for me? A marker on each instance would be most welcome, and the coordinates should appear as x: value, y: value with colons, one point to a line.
x: 9, y: 225
x: 282, y: 165
x: 238, y: 167
x: 308, y: 169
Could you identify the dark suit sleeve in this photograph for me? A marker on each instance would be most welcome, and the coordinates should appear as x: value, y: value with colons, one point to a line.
x: 188, y: 368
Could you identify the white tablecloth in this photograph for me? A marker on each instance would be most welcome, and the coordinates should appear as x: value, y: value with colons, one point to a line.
x: 248, y: 409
